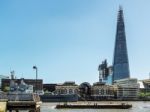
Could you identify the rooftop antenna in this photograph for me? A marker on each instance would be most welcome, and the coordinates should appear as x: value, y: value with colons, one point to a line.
x: 12, y: 74
x: 120, y: 7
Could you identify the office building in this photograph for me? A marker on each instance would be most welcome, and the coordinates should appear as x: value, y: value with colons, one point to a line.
x: 127, y: 88
x: 120, y: 61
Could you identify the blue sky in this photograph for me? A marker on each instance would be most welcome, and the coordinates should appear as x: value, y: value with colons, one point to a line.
x: 68, y: 39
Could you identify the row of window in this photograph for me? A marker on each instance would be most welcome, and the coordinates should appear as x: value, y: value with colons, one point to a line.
x: 66, y: 91
x: 103, y: 92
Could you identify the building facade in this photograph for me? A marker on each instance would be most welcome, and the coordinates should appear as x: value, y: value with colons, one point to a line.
x: 67, y: 88
x: 120, y: 61
x: 146, y: 85
x: 127, y: 88
x: 100, y: 91
x: 105, y: 72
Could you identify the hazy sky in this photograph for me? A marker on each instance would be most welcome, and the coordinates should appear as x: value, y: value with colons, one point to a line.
x: 68, y: 39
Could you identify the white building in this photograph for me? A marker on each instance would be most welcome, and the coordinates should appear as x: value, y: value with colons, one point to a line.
x: 146, y: 84
x: 127, y: 88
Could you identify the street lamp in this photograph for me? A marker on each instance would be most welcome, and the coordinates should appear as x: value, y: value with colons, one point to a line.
x: 36, y: 69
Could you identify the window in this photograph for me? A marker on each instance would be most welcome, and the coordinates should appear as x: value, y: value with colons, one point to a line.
x: 70, y: 91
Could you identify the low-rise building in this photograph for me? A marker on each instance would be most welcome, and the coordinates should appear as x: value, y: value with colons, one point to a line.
x: 101, y: 91
x: 146, y: 84
x: 67, y: 88
x: 144, y: 89
x: 127, y: 88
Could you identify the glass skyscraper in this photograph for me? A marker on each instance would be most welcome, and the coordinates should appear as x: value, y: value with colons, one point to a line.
x: 120, y: 61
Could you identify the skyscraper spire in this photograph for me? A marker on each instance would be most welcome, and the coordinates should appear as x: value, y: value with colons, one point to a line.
x: 120, y: 62
x: 120, y: 7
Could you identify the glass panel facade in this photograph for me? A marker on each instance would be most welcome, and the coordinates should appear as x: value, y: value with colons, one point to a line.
x: 120, y: 63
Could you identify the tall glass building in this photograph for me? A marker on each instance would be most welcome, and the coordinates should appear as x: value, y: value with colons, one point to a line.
x: 120, y: 61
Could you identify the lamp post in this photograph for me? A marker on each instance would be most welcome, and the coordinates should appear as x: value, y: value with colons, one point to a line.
x: 36, y: 69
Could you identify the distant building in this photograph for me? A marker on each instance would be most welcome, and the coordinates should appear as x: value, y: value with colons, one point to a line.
x: 100, y: 91
x: 146, y: 85
x: 127, y: 88
x: 105, y: 73
x: 67, y: 88
x: 141, y: 86
x: 120, y: 61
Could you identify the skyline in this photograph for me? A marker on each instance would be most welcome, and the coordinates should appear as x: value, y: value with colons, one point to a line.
x: 67, y: 40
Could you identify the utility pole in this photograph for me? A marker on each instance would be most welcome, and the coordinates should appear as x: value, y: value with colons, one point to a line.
x: 36, y: 69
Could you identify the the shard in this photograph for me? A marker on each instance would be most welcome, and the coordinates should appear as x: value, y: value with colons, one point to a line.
x: 120, y: 61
